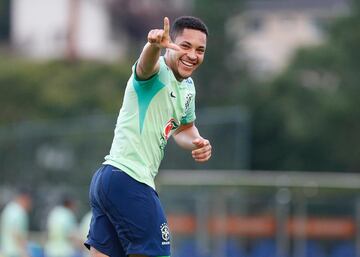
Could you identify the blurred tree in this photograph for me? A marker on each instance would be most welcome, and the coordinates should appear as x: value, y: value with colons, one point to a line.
x: 58, y: 89
x: 136, y: 18
x: 4, y: 20
x: 219, y: 81
x: 309, y: 117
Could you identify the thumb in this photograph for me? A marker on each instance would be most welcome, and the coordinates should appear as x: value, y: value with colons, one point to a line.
x: 173, y: 46
x: 198, y: 142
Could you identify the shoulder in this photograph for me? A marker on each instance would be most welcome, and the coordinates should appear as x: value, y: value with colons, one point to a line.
x: 189, y: 83
x: 164, y: 69
x: 57, y: 211
x: 13, y: 211
x: 13, y: 207
x: 161, y: 75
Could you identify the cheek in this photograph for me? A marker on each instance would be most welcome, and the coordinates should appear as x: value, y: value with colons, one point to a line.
x: 179, y: 53
x: 200, y: 58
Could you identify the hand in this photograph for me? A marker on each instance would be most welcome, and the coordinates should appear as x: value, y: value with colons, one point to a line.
x: 202, y: 152
x: 161, y: 37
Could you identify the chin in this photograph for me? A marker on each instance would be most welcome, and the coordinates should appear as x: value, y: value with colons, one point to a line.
x: 185, y: 75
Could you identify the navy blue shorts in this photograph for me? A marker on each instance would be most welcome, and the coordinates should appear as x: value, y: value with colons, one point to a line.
x: 127, y: 216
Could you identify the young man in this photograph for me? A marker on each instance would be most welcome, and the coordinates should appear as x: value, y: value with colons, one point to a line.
x: 14, y: 224
x: 62, y: 229
x: 159, y: 101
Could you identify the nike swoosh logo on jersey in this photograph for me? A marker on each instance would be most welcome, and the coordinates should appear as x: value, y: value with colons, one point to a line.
x: 172, y: 94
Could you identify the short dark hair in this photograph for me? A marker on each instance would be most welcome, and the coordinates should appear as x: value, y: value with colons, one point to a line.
x: 22, y: 190
x: 66, y: 199
x: 187, y: 22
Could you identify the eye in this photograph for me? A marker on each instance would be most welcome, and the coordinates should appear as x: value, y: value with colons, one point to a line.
x: 200, y: 51
x: 184, y: 46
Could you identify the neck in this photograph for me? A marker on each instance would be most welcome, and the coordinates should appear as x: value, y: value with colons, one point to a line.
x: 168, y: 63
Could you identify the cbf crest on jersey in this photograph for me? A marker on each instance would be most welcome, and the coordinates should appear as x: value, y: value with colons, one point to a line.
x: 171, y: 125
x: 165, y: 233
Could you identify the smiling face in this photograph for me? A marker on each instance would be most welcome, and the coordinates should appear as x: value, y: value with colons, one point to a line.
x: 184, y: 62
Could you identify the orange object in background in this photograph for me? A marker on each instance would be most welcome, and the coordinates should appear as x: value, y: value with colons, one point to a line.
x: 265, y: 226
x: 342, y: 228
x: 182, y: 224
x: 244, y: 226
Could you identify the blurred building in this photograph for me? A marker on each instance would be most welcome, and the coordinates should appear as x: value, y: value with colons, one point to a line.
x: 86, y: 29
x: 269, y: 32
x: 56, y: 28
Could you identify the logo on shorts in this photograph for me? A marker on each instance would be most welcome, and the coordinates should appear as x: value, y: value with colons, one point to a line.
x: 165, y: 233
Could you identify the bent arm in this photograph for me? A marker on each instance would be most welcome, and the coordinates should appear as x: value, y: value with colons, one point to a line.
x: 148, y: 63
x: 188, y: 137
x: 185, y: 135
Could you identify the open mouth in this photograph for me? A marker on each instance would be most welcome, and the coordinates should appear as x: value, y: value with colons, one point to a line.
x: 188, y: 64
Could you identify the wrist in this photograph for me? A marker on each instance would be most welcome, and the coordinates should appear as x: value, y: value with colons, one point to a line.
x: 154, y: 46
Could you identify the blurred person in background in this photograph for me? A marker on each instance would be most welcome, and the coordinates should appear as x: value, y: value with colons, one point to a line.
x: 62, y: 230
x: 14, y: 225
x: 159, y: 101
x: 84, y: 227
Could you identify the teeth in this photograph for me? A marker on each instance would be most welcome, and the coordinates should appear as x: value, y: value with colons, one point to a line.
x: 187, y: 63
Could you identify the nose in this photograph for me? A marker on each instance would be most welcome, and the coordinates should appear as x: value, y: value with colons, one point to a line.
x: 192, y: 54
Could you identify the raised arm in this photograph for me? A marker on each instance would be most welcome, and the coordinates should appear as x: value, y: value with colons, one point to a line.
x: 188, y: 137
x: 158, y: 39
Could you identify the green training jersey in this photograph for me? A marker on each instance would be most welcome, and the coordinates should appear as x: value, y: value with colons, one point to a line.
x: 151, y: 111
x: 61, y: 228
x: 14, y: 225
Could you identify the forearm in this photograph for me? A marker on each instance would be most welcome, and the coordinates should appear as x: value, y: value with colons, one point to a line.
x: 185, y: 137
x: 188, y: 137
x: 148, y: 61
x: 158, y: 39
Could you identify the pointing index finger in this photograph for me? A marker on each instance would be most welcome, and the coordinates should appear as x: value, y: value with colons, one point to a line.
x: 166, y: 36
x: 166, y: 27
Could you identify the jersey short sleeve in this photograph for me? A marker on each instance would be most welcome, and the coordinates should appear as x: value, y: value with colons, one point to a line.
x: 189, y: 103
